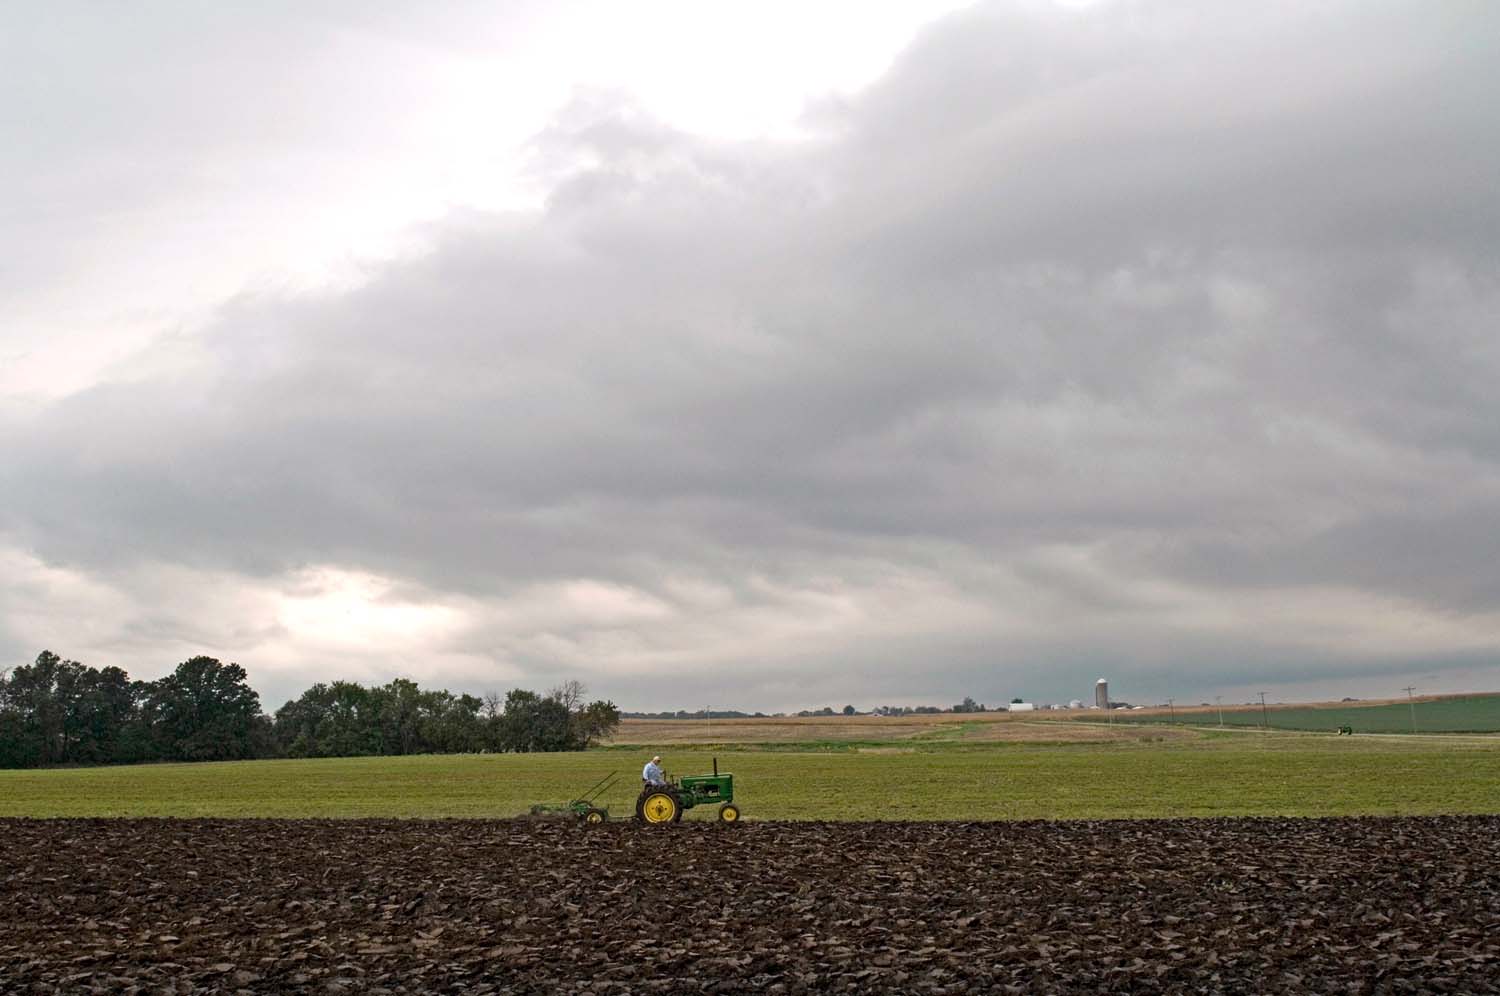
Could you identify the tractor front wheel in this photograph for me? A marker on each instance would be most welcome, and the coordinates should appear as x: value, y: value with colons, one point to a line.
x: 729, y: 813
x: 659, y: 806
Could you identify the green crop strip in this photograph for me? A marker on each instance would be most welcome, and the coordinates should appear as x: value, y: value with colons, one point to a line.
x: 1231, y: 774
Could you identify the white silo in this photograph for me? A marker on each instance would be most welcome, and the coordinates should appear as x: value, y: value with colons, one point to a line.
x: 1101, y: 694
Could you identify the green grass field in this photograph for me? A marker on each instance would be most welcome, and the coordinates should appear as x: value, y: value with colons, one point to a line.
x: 1459, y: 714
x: 1212, y: 774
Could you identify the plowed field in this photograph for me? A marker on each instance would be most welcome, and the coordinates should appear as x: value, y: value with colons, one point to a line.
x: 1235, y: 905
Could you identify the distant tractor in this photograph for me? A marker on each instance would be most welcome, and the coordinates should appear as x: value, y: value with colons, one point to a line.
x: 666, y: 803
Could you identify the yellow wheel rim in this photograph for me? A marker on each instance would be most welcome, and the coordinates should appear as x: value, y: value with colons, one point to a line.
x: 729, y: 814
x: 595, y: 817
x: 659, y: 809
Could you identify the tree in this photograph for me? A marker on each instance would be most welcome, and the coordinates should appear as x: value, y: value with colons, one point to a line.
x: 12, y: 728
x: 350, y: 724
x: 400, y: 705
x: 594, y: 722
x: 587, y: 724
x: 848, y: 710
x: 451, y: 723
x: 43, y: 696
x: 138, y: 739
x: 570, y: 693
x: 297, y: 723
x: 100, y: 716
x: 205, y: 711
x: 533, y: 723
x: 263, y: 737
x: 13, y: 749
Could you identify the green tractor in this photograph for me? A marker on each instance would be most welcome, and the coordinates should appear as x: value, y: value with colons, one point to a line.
x: 666, y: 803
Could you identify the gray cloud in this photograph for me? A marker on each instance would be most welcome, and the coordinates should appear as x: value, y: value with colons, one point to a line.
x: 1140, y: 339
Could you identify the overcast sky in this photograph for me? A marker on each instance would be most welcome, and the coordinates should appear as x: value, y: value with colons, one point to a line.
x: 764, y: 356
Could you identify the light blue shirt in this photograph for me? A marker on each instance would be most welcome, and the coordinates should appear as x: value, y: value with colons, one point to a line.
x: 652, y: 774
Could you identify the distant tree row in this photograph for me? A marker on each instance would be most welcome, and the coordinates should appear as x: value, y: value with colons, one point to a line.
x: 60, y: 712
x: 966, y: 706
x: 346, y: 719
x: 57, y: 711
x: 697, y: 714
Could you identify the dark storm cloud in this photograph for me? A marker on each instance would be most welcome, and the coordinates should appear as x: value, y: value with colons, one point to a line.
x: 1091, y: 322
x: 1448, y: 559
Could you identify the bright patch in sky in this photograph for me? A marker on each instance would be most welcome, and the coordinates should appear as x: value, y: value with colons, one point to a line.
x: 328, y: 605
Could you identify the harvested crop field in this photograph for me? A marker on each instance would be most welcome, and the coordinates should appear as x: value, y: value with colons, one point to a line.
x: 926, y: 728
x: 1360, y: 905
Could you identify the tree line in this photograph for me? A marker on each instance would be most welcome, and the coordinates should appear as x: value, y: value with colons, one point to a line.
x: 61, y: 712
x: 968, y: 705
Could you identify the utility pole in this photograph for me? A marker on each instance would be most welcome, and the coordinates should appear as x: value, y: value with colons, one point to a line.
x: 1413, y: 703
x: 1172, y: 709
x: 1220, y: 700
x: 1264, y: 723
x: 708, y: 718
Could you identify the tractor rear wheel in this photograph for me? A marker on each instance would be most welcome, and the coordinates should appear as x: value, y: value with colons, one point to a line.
x: 729, y: 813
x: 593, y: 817
x: 659, y: 806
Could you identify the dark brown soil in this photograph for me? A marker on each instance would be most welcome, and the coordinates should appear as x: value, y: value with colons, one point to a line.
x: 1235, y: 906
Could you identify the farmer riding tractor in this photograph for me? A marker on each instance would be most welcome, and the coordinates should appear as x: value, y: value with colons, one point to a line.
x: 665, y: 803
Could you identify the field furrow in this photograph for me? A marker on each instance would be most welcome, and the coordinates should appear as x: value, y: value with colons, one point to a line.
x: 465, y: 906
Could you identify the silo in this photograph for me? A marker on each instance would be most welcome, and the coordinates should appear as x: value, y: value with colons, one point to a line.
x: 1101, y: 694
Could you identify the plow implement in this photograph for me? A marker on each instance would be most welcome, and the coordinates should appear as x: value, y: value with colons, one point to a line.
x: 584, y: 809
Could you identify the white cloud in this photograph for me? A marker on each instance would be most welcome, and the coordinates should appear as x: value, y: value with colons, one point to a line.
x: 1078, y: 343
